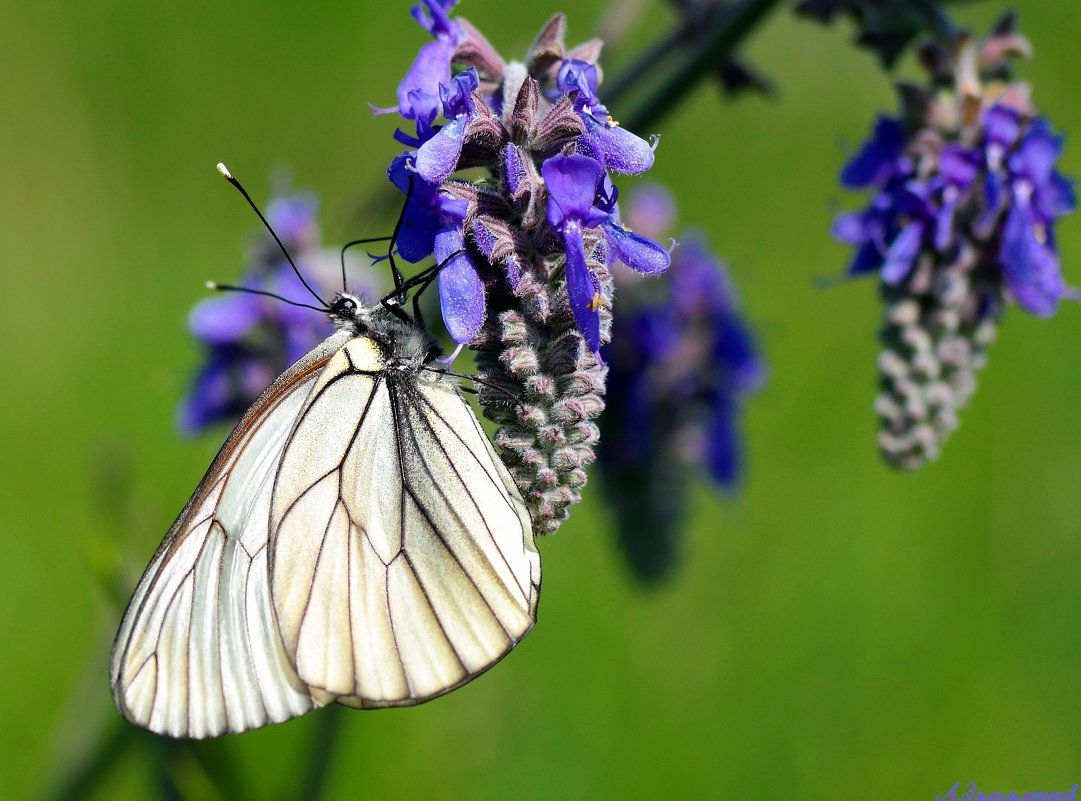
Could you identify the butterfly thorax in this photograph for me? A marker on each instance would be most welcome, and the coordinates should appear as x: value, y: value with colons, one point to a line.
x: 405, y: 345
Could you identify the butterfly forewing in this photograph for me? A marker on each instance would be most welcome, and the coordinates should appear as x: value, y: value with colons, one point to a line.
x: 402, y: 558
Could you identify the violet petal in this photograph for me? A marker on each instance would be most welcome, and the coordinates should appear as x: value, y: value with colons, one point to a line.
x: 902, y: 253
x: 1056, y: 197
x: 1036, y: 156
x: 851, y: 228
x: 1001, y: 125
x: 572, y: 186
x: 637, y: 252
x: 582, y: 288
x: 876, y: 159
x: 438, y: 157
x: 220, y: 320
x: 623, y: 151
x: 461, y: 292
x: 1031, y: 268
x: 430, y: 68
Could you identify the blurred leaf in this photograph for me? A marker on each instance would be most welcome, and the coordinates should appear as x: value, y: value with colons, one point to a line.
x: 82, y: 779
x: 738, y: 77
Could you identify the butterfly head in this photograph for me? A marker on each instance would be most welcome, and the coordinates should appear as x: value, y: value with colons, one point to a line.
x: 348, y: 313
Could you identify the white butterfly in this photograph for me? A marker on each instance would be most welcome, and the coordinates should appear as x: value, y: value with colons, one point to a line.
x: 356, y: 540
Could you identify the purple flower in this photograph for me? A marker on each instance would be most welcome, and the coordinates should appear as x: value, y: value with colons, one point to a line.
x: 1037, y: 195
x: 249, y: 339
x: 232, y: 377
x: 653, y: 212
x: 438, y: 156
x: 425, y: 111
x: 912, y: 213
x: 573, y: 184
x: 461, y: 291
x: 966, y: 196
x: 431, y: 67
x: 617, y: 148
x: 879, y: 158
x: 524, y: 241
x: 433, y: 223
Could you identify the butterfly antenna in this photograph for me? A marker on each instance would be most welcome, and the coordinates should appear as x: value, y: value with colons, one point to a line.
x: 398, y: 288
x: 347, y: 245
x: 232, y: 288
x: 423, y: 279
x: 228, y: 176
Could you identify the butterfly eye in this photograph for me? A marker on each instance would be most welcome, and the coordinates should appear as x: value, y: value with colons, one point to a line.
x: 345, y: 306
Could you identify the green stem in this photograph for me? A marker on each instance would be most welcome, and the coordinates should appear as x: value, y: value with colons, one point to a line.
x: 322, y: 753
x: 706, y: 43
x: 216, y: 760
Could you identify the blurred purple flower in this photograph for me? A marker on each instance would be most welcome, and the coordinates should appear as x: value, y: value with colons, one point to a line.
x: 915, y: 211
x: 966, y: 196
x: 681, y: 362
x: 250, y: 339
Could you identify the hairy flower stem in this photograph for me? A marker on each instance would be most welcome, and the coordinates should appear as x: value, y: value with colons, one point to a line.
x: 531, y: 350
x: 935, y: 335
x: 703, y: 43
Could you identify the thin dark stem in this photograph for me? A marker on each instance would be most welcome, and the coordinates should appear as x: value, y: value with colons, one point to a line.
x: 217, y: 761
x: 707, y: 44
x: 314, y: 783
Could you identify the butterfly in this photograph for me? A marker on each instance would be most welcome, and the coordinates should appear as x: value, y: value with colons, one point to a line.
x: 356, y: 540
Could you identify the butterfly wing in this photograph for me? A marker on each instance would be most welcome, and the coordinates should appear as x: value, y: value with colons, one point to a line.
x: 401, y: 555
x: 198, y: 652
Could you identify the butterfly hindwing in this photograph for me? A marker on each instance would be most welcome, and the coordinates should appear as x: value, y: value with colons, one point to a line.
x: 402, y: 558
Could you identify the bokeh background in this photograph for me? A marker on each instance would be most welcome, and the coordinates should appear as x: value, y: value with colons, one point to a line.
x: 835, y: 630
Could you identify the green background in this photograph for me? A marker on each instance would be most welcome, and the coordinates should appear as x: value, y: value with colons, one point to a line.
x: 836, y: 630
